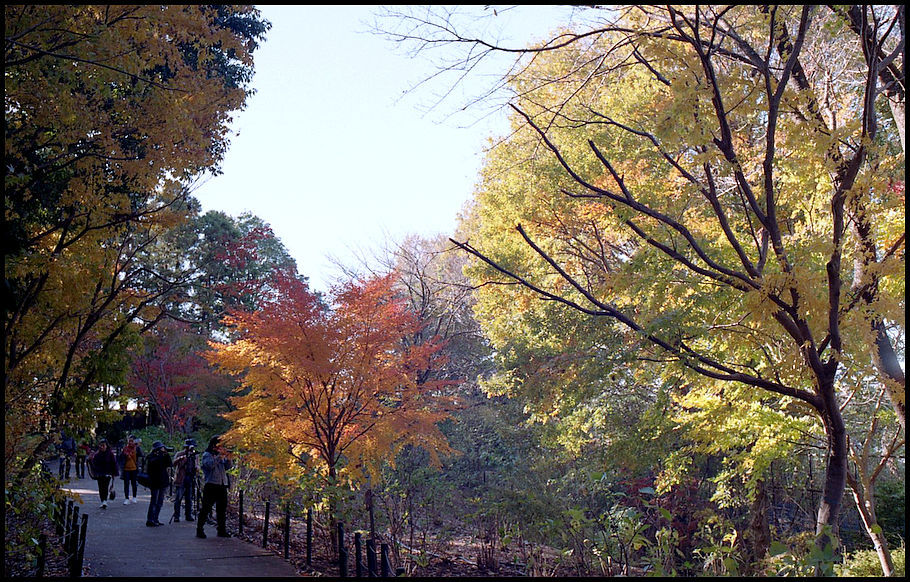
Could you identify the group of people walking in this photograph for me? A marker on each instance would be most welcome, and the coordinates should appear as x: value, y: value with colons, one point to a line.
x: 105, y: 466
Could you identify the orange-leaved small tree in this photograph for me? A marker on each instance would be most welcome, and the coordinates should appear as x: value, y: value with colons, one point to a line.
x: 330, y: 385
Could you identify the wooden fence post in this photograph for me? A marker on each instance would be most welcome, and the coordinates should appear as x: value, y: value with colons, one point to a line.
x: 72, y: 543
x: 265, y: 526
x: 42, y: 555
x: 287, y: 530
x: 67, y: 514
x: 358, y: 553
x: 69, y: 538
x: 58, y: 520
x: 240, y: 513
x: 81, y: 553
x: 371, y: 559
x: 342, y: 553
x: 309, y: 537
x: 384, y: 564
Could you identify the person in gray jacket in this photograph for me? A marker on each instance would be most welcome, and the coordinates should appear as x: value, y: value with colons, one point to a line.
x: 215, y: 463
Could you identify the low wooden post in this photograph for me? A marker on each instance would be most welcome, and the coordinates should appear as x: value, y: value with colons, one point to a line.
x: 309, y: 537
x: 74, y: 526
x: 265, y: 526
x: 342, y: 553
x: 58, y: 520
x: 385, y: 564
x: 287, y: 530
x: 69, y: 538
x: 81, y: 552
x: 73, y: 550
x: 67, y: 515
x: 240, y: 512
x: 371, y: 559
x: 42, y: 555
x: 358, y: 553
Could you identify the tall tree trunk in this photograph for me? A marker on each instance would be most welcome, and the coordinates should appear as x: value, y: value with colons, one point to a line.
x: 333, y: 509
x: 759, y: 532
x: 835, y: 466
x: 888, y: 363
x: 863, y: 494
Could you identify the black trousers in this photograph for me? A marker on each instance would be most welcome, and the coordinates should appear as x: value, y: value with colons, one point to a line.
x: 217, y: 496
x: 104, y: 485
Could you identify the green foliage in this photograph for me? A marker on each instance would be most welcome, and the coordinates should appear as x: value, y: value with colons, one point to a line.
x: 802, y: 556
x: 891, y: 509
x: 150, y: 434
x: 28, y: 506
x: 615, y: 253
x: 866, y: 563
x: 717, y: 552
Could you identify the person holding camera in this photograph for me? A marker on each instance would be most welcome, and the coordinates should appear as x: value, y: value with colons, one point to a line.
x: 185, y: 479
x: 157, y: 464
x: 215, y: 463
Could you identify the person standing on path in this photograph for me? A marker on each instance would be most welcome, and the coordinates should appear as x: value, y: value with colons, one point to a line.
x: 82, y: 451
x: 67, y: 452
x: 156, y: 465
x: 104, y: 465
x: 186, y: 468
x: 215, y: 463
x: 130, y: 461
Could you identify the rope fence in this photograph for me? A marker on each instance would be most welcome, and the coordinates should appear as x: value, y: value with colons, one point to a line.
x: 371, y: 557
x: 69, y: 536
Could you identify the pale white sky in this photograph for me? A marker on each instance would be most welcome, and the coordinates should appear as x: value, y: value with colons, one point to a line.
x: 330, y: 155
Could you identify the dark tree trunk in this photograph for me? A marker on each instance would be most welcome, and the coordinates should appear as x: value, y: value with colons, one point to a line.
x: 835, y: 465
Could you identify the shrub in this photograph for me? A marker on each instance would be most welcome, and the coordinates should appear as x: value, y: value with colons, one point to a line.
x: 866, y: 563
x: 28, y: 510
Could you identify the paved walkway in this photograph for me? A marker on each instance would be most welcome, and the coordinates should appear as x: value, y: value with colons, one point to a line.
x: 118, y: 543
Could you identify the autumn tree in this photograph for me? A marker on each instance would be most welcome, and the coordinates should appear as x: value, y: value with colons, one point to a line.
x: 111, y: 113
x: 719, y: 184
x: 431, y: 279
x: 329, y: 385
x: 231, y: 260
x: 168, y: 373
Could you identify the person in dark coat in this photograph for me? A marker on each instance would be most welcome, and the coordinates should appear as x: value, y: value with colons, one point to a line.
x: 67, y: 452
x: 156, y: 466
x: 104, y: 465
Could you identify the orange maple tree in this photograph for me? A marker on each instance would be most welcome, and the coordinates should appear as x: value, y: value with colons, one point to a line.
x: 330, y: 385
